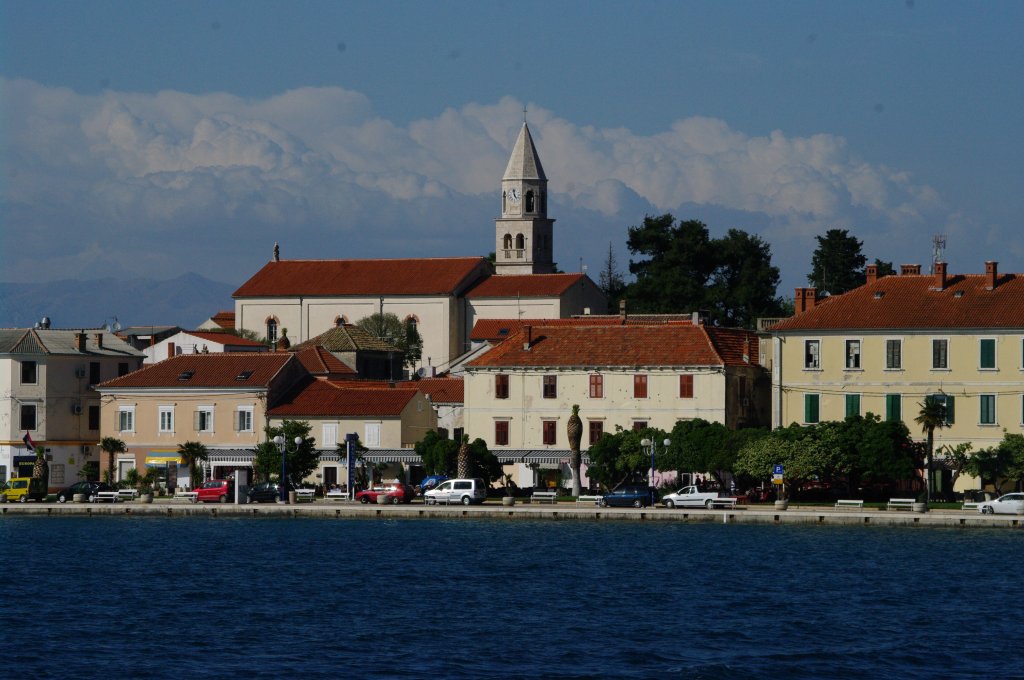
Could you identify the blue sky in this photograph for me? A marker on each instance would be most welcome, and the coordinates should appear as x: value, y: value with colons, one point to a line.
x: 152, y: 138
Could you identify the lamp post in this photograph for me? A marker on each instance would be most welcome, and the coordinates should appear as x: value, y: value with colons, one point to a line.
x: 282, y: 447
x: 651, y: 443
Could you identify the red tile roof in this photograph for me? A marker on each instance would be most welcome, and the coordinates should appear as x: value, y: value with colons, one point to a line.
x: 620, y: 346
x: 440, y: 390
x: 318, y: 361
x: 225, y: 338
x: 207, y: 370
x: 525, y: 285
x: 496, y: 330
x: 317, y: 397
x: 911, y: 302
x: 425, y: 276
x: 224, y: 319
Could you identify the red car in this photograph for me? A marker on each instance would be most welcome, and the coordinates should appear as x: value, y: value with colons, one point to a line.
x: 216, y: 491
x: 396, y: 493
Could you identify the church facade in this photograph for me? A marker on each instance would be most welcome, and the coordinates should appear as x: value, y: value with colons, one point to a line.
x: 444, y: 296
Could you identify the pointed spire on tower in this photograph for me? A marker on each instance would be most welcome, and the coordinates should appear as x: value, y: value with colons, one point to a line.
x: 524, y: 163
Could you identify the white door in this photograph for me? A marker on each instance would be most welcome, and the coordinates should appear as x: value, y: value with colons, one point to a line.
x: 372, y: 439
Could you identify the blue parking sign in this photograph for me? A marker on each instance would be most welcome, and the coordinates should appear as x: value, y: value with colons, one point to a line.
x: 777, y: 470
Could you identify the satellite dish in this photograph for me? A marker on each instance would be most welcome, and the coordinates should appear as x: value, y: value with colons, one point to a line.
x: 117, y: 326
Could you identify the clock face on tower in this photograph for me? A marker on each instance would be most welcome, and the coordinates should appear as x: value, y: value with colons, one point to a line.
x: 513, y: 195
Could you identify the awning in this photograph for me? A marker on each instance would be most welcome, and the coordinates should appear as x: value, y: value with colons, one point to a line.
x: 162, y: 458
x: 392, y: 456
x: 538, y: 456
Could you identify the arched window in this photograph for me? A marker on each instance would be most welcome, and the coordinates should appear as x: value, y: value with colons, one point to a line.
x: 340, y: 320
x: 271, y: 330
x: 520, y: 242
x: 529, y: 201
x: 508, y: 241
x: 411, y: 319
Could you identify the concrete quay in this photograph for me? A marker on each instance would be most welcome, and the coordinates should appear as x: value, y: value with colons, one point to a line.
x: 559, y: 511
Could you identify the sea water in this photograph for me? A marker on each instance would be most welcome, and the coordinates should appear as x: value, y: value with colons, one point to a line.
x: 318, y: 598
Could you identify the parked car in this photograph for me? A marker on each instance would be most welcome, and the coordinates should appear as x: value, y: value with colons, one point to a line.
x: 689, y: 496
x: 87, y: 488
x: 627, y: 496
x: 395, y: 492
x: 463, y: 491
x: 23, y: 489
x: 266, y: 492
x: 431, y: 482
x: 216, y: 491
x: 1008, y: 504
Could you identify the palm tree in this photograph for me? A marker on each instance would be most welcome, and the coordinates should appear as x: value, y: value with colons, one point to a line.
x: 464, y: 457
x: 111, y: 446
x: 931, y: 417
x: 41, y: 469
x: 190, y: 454
x: 574, y: 428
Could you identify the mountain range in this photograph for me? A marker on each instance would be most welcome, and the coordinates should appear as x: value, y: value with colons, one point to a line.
x: 185, y: 301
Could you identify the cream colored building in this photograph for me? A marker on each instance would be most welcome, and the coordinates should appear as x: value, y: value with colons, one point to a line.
x: 47, y: 382
x: 520, y: 394
x: 884, y: 347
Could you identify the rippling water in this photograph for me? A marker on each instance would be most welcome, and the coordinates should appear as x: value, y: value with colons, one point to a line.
x: 270, y: 598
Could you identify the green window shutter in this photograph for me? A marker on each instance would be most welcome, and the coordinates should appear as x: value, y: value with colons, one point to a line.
x: 852, y: 405
x: 892, y: 407
x: 810, y: 408
x: 988, y: 353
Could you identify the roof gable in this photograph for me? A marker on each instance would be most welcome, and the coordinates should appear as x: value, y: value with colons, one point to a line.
x: 188, y: 371
x: 347, y: 338
x: 318, y: 397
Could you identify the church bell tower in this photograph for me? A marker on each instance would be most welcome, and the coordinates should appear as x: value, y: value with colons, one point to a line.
x: 523, y: 233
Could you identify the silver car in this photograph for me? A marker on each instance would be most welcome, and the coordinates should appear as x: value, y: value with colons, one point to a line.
x: 463, y: 491
x: 1008, y: 504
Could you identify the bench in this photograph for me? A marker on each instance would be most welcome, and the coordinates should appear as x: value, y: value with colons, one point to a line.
x: 723, y: 503
x: 190, y: 496
x: 304, y: 495
x: 128, y: 494
x: 901, y: 504
x: 100, y: 496
x: 588, y: 499
x: 856, y: 505
x: 336, y: 495
x: 541, y: 496
x: 970, y: 506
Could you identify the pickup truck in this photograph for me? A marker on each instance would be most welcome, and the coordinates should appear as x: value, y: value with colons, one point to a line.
x: 689, y: 496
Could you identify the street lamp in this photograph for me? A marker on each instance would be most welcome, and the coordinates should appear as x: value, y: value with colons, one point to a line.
x: 281, y: 445
x: 651, y: 443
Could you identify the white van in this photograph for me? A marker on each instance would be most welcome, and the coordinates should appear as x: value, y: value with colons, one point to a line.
x: 463, y: 491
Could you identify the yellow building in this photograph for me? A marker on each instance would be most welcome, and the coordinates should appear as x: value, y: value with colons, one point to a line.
x: 887, y: 345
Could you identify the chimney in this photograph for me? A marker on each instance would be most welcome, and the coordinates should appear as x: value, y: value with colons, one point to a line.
x: 746, y: 350
x: 909, y: 269
x: 622, y: 309
x: 804, y: 300
x: 991, y: 275
x: 940, y: 276
x: 98, y: 339
x: 80, y: 342
x: 528, y: 331
x: 695, y: 318
x: 170, y: 350
x: 871, y: 273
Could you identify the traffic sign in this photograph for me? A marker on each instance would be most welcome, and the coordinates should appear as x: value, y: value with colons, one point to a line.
x: 777, y: 470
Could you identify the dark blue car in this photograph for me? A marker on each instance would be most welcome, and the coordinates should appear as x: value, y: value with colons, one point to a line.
x: 627, y: 497
x: 430, y: 482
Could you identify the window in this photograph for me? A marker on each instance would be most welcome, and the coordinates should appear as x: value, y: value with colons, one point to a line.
x: 597, y: 387
x: 987, y: 351
x: 126, y: 419
x: 811, y: 354
x: 501, y: 433
x: 271, y: 331
x: 949, y: 401
x: 894, y: 354
x: 893, y: 407
x: 94, y: 417
x: 550, y: 429
x: 940, y: 354
x: 686, y: 387
x: 28, y: 416
x: 853, y: 353
x: 639, y: 386
x: 244, y: 422
x: 639, y: 425
x: 811, y: 403
x: 94, y: 373
x: 122, y: 368
x: 596, y: 430
x: 550, y: 386
x: 372, y: 438
x: 166, y: 418
x: 29, y: 373
x: 501, y: 386
x: 852, y: 405
x: 987, y: 415
x: 204, y: 419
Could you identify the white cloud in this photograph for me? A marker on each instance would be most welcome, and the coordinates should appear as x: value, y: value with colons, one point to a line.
x: 171, y: 176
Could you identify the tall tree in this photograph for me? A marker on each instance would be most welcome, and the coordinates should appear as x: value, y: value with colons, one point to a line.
x: 609, y: 280
x: 302, y: 460
x: 402, y: 335
x: 111, y: 446
x: 574, y: 430
x: 743, y: 284
x: 931, y: 417
x: 837, y: 264
x: 191, y: 453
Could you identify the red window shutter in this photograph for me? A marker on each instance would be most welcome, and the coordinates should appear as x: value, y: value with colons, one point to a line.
x: 686, y: 387
x: 639, y: 386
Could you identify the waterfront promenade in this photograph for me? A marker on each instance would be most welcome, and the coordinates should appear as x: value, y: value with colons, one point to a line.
x: 555, y: 512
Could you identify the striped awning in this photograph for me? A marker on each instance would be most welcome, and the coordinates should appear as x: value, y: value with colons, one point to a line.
x: 538, y: 456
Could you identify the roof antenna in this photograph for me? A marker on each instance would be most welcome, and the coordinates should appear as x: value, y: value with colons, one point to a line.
x: 524, y: 113
x: 938, y: 246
